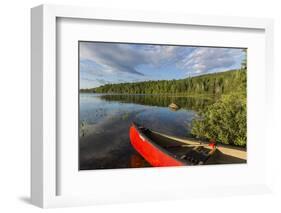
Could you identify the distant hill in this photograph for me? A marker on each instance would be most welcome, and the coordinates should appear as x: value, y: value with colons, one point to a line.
x: 209, y: 84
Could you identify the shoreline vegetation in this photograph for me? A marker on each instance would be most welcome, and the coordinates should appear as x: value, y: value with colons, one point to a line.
x: 225, y: 120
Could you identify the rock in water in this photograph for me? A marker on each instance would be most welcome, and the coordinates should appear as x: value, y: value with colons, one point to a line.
x: 174, y: 106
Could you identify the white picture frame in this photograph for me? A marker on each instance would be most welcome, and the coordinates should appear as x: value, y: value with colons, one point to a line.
x: 44, y: 154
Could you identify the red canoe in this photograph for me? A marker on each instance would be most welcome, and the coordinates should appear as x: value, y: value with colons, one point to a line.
x: 163, y: 150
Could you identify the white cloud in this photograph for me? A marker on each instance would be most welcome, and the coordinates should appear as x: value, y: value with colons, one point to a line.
x: 206, y: 59
x: 126, y: 58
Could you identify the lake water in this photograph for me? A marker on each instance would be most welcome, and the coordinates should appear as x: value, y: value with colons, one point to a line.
x: 105, y: 121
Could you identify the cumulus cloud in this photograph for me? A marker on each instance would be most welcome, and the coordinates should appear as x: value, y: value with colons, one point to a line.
x: 207, y: 59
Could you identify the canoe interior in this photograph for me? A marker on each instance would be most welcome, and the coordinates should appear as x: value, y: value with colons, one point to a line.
x: 191, y: 154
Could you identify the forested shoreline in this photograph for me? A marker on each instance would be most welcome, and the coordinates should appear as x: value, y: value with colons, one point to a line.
x: 209, y: 84
x: 225, y: 120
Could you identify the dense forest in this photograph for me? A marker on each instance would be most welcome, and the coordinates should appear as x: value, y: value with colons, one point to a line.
x: 209, y: 84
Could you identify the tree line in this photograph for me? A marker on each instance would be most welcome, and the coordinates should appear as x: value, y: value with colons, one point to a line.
x: 209, y: 84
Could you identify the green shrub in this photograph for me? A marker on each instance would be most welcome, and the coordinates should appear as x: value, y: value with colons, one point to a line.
x: 225, y: 121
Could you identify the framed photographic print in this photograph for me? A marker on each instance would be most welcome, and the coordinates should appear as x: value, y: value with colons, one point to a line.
x: 151, y: 106
x: 144, y: 105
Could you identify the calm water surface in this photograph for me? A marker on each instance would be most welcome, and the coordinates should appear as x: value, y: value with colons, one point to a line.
x: 105, y: 121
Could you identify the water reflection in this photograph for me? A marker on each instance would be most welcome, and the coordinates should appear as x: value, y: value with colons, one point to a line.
x: 137, y: 161
x: 190, y: 103
x: 105, y: 120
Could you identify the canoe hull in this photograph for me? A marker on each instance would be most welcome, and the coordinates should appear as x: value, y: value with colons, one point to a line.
x: 152, y: 153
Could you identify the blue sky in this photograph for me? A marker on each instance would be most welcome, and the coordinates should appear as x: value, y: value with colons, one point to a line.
x: 103, y: 63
